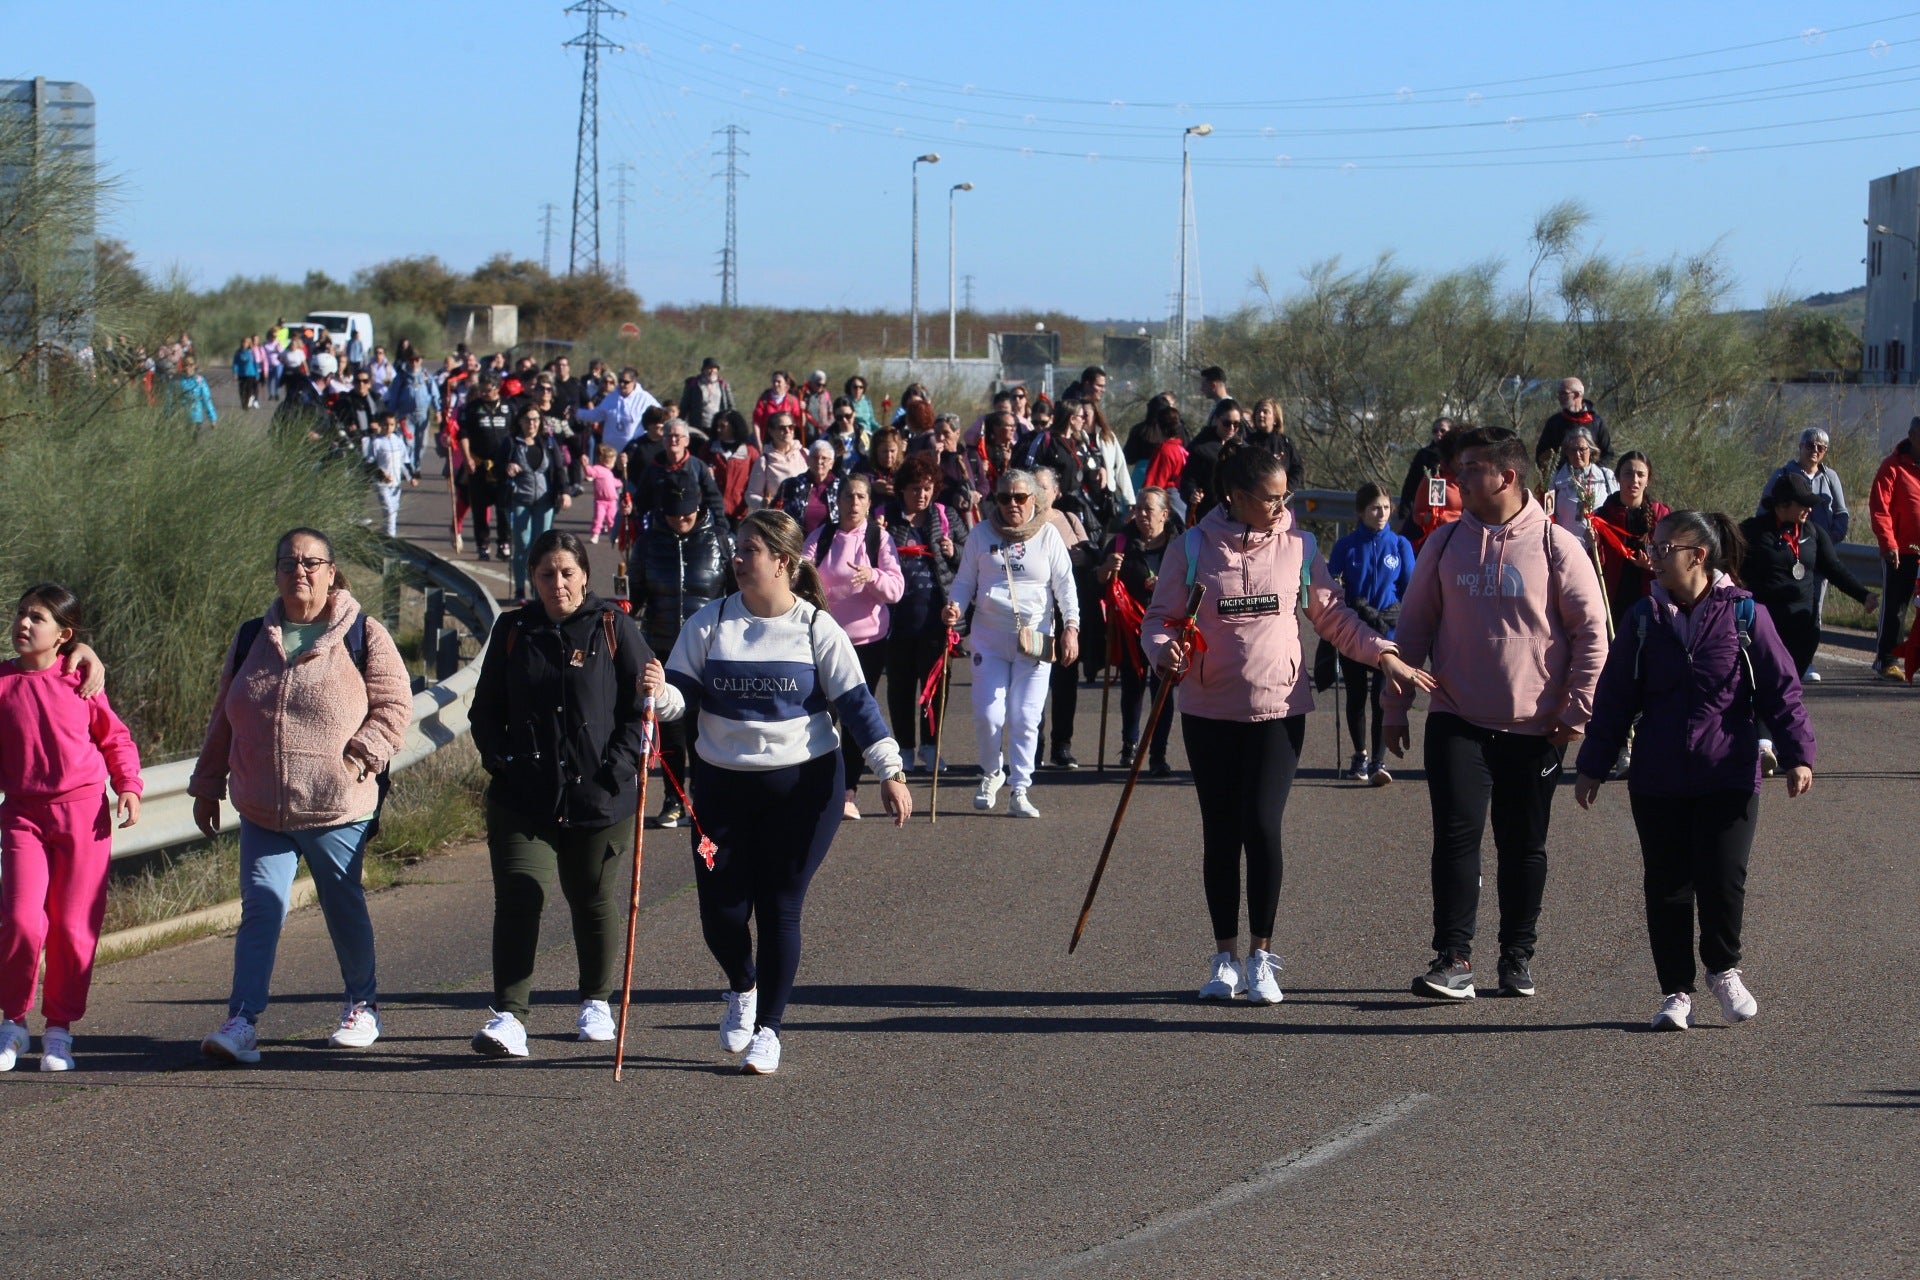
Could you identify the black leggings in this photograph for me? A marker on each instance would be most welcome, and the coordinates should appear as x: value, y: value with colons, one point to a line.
x: 910, y: 660
x: 1063, y: 683
x: 1242, y: 773
x: 873, y: 665
x: 772, y: 829
x: 1896, y: 594
x: 1694, y: 850
x: 1363, y: 689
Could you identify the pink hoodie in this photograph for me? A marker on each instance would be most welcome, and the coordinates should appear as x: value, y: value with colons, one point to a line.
x: 1516, y: 642
x: 56, y: 745
x: 1252, y: 667
x: 861, y: 611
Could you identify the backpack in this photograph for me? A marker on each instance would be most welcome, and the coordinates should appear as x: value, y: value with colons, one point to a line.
x: 1743, y: 612
x: 356, y: 648
x: 873, y: 541
x: 1309, y: 549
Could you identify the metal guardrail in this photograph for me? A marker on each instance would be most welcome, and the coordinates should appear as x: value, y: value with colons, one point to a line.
x: 439, y: 708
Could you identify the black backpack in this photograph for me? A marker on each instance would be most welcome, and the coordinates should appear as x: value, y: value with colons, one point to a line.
x: 357, y: 648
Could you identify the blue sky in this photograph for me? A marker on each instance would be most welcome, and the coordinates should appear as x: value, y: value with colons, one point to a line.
x: 249, y: 143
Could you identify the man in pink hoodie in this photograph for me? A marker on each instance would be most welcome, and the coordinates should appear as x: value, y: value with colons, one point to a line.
x: 1506, y: 606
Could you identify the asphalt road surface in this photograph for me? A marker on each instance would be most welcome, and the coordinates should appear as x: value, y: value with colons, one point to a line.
x: 960, y: 1097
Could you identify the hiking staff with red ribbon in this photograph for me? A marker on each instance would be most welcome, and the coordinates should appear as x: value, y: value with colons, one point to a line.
x: 1130, y: 570
x: 633, y: 902
x: 939, y: 722
x: 1194, y: 598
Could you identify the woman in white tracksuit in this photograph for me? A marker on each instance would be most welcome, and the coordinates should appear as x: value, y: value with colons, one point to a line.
x: 1015, y: 576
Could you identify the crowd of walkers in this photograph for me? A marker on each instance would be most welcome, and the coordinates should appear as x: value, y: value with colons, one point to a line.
x: 776, y: 565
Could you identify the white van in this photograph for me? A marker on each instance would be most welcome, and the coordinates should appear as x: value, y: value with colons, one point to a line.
x: 338, y: 324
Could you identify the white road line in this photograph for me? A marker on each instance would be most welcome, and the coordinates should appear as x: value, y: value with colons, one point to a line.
x: 1265, y: 1180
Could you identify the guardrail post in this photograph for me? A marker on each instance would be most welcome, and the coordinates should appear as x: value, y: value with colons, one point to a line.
x: 433, y: 622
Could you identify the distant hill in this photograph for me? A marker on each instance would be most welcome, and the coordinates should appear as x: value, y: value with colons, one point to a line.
x: 1849, y: 305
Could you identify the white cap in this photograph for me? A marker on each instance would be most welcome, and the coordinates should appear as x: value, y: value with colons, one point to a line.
x: 325, y: 365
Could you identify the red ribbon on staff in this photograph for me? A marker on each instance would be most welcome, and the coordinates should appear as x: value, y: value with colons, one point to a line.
x: 1187, y: 632
x: 1614, y: 539
x: 931, y: 688
x: 707, y: 848
x: 1125, y: 617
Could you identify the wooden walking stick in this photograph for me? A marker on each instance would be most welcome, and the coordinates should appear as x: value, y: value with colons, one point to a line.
x: 633, y: 903
x: 940, y: 728
x: 1194, y: 597
x: 1106, y: 694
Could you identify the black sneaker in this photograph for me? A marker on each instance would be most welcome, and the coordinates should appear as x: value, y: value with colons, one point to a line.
x: 1515, y: 980
x: 1126, y: 755
x: 672, y: 815
x: 484, y: 553
x: 1159, y: 769
x: 1063, y: 759
x: 1449, y: 978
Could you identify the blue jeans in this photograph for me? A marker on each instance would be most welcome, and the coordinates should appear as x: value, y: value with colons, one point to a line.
x: 526, y: 523
x: 421, y: 427
x: 268, y: 860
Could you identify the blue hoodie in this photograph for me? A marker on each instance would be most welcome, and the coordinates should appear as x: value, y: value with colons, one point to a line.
x: 1374, y: 569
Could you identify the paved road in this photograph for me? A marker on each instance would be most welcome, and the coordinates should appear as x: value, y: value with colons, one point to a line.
x: 960, y: 1097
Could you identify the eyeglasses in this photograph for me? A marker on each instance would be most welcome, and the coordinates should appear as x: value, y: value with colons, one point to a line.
x: 1014, y: 498
x: 293, y: 564
x: 1270, y: 501
x: 1661, y: 550
x: 1816, y: 448
x: 845, y: 414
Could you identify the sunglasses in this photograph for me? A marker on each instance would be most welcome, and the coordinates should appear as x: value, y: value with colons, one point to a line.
x: 1014, y: 498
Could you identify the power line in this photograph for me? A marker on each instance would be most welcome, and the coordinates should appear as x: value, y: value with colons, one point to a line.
x: 730, y: 254
x: 584, y: 252
x: 546, y: 237
x: 620, y: 171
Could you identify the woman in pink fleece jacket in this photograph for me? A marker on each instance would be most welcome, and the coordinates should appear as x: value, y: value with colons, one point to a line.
x: 859, y: 585
x: 313, y: 702
x: 56, y: 749
x: 1244, y: 699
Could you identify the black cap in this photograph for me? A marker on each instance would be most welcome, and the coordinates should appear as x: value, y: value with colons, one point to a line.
x: 679, y: 495
x: 709, y: 363
x: 1792, y: 486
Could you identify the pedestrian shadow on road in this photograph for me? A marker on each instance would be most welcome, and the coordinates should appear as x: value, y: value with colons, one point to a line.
x: 1883, y: 1100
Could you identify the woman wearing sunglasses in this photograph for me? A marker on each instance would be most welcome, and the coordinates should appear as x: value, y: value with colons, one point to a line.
x: 1014, y: 574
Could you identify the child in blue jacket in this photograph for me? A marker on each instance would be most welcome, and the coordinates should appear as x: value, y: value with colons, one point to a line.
x: 1374, y: 566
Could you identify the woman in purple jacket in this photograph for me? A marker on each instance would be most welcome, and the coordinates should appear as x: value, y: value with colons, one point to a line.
x: 1703, y: 668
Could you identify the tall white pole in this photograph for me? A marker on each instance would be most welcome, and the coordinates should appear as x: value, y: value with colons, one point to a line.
x: 913, y: 342
x: 952, y: 277
x: 1186, y: 189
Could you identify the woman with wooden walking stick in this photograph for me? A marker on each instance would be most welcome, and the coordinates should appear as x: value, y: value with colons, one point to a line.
x: 1243, y: 705
x: 557, y: 717
x: 760, y: 669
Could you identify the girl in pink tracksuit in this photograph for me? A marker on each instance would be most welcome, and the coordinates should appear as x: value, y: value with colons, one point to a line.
x: 56, y: 751
x: 606, y: 491
x: 1244, y: 698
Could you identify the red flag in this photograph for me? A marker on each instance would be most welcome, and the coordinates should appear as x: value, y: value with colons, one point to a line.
x: 931, y: 689
x: 1124, y: 618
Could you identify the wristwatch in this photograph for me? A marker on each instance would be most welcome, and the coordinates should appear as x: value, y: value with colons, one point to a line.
x: 898, y: 775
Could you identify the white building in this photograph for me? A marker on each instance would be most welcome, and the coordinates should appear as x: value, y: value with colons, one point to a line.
x: 1893, y: 279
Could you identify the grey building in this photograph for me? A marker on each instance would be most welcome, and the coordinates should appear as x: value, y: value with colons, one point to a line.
x: 1893, y: 279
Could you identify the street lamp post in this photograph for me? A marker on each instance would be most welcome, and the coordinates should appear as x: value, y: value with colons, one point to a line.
x: 952, y: 312
x: 913, y: 342
x: 1186, y: 203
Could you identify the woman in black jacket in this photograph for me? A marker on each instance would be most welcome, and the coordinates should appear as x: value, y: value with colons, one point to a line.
x: 929, y: 537
x: 533, y: 483
x: 557, y: 720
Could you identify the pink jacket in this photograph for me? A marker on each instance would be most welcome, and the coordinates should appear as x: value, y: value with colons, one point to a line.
x: 56, y: 745
x: 861, y: 611
x: 281, y: 730
x: 1252, y: 667
x: 1516, y: 633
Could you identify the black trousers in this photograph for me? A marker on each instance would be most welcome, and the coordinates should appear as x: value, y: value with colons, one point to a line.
x: 873, y: 665
x: 480, y: 498
x: 1363, y: 685
x: 1063, y: 684
x: 1895, y: 595
x: 1469, y: 768
x: 1242, y: 773
x: 1694, y: 850
x: 1799, y: 632
x: 910, y: 660
x: 592, y: 865
x: 1135, y: 688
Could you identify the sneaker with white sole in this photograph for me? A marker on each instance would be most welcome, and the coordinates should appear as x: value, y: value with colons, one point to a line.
x: 1675, y: 1011
x: 1227, y: 979
x: 56, y: 1049
x: 595, y: 1022
x: 359, y: 1026
x: 763, y: 1054
x: 989, y: 790
x: 1769, y: 762
x: 851, y: 809
x: 736, y: 1028
x: 237, y: 1040
x: 928, y: 761
x: 1380, y: 776
x: 1263, y: 982
x: 1809, y: 676
x: 1736, y: 1002
x: 502, y: 1037
x: 1018, y: 806
x: 13, y: 1043
x: 1447, y: 978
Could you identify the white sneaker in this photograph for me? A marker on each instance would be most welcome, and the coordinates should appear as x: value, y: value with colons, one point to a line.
x: 1769, y: 762
x: 1736, y: 1002
x: 1675, y: 1010
x: 359, y: 1027
x: 56, y: 1050
x: 851, y: 809
x: 1019, y: 806
x: 1809, y: 676
x: 929, y: 762
x: 502, y: 1037
x: 736, y: 1028
x: 13, y: 1043
x: 1263, y: 984
x: 1228, y: 979
x: 763, y: 1055
x: 237, y: 1040
x: 595, y: 1021
x: 989, y: 790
